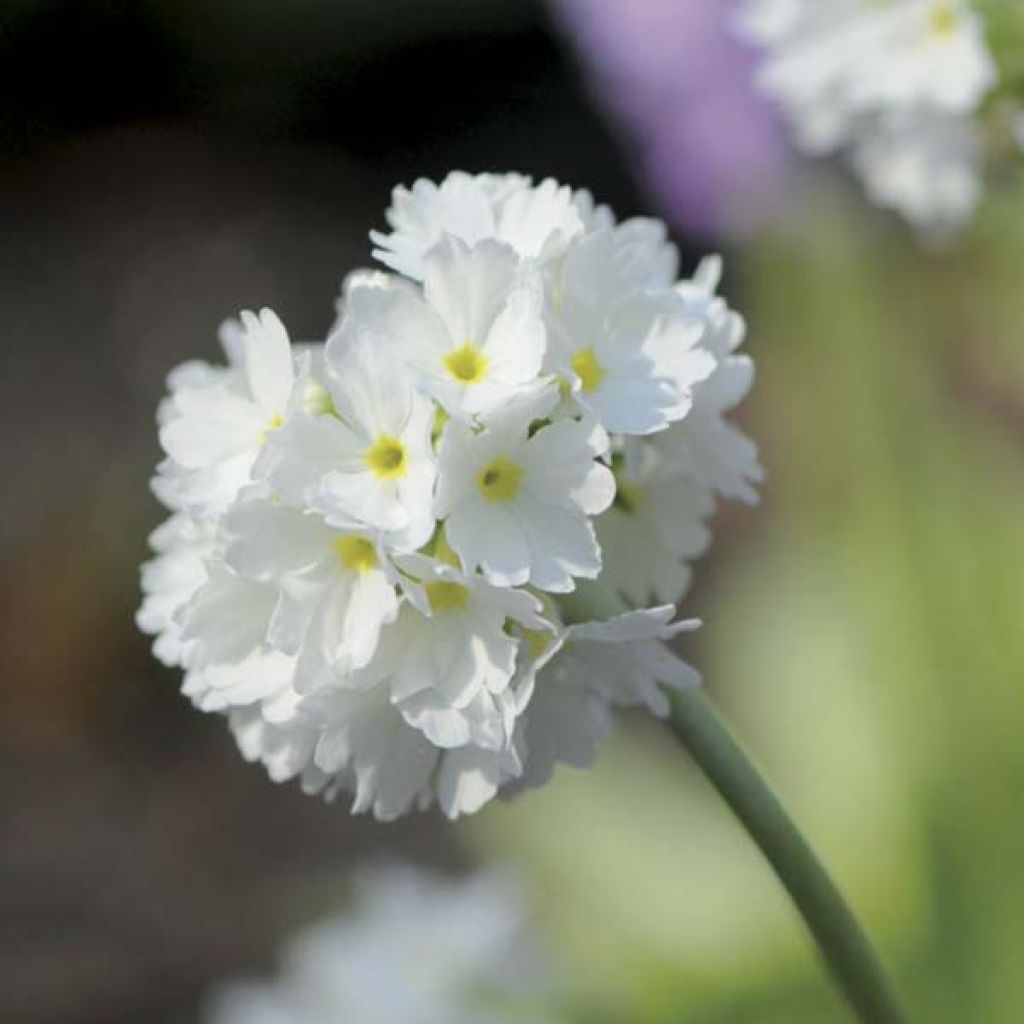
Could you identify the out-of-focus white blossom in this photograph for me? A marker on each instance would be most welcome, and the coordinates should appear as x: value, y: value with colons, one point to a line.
x: 894, y: 85
x: 391, y: 557
x: 415, y: 950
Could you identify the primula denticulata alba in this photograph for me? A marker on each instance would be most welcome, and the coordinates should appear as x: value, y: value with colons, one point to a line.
x: 415, y: 950
x: 425, y: 561
x: 896, y: 87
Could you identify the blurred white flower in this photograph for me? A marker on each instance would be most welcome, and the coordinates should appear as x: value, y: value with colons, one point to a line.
x: 925, y: 166
x: 416, y: 949
x: 895, y: 85
x: 370, y: 565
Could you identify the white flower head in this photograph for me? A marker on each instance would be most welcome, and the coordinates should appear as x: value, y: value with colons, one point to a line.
x: 895, y: 85
x: 927, y: 167
x: 382, y: 547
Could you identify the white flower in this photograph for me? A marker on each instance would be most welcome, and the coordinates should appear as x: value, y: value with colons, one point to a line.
x: 928, y: 54
x: 599, y: 666
x: 644, y: 254
x: 449, y: 657
x: 214, y: 423
x: 629, y: 353
x: 365, y: 745
x: 272, y: 734
x: 336, y: 587
x: 474, y: 338
x: 226, y: 624
x: 395, y: 744
x: 516, y: 501
x: 899, y: 82
x: 535, y: 220
x: 656, y: 527
x: 368, y: 461
x: 415, y: 950
x: 705, y: 444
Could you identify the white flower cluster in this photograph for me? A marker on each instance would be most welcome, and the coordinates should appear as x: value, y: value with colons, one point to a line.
x: 385, y: 553
x: 416, y: 949
x: 895, y: 85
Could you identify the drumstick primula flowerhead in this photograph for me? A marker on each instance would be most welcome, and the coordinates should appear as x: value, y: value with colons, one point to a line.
x: 423, y: 562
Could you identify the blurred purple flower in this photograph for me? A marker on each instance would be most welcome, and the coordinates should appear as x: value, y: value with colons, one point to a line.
x: 680, y: 85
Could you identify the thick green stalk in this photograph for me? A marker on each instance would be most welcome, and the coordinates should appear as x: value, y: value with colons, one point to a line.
x: 841, y: 941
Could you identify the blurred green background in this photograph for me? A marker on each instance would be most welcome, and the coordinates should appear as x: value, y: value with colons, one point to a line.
x: 165, y: 163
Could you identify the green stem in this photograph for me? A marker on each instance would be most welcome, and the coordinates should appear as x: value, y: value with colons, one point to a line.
x: 841, y: 941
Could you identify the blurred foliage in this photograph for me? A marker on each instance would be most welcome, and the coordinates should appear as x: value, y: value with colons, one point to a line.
x: 865, y: 635
x: 1004, y: 31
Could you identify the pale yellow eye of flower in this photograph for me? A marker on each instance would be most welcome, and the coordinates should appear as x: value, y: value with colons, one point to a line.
x: 943, y: 19
x: 276, y: 422
x: 386, y: 457
x: 356, y: 553
x: 588, y: 369
x: 499, y: 480
x: 467, y: 364
x: 444, y: 595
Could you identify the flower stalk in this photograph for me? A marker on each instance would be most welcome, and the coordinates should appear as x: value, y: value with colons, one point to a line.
x: 841, y: 941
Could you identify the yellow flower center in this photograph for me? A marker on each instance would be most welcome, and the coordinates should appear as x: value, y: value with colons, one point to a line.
x: 356, y: 553
x: 444, y: 595
x: 467, y: 364
x: 499, y: 480
x: 588, y: 369
x: 943, y: 19
x: 386, y: 457
x: 276, y: 422
x: 627, y: 497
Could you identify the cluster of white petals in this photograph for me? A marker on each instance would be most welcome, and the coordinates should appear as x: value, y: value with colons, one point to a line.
x: 424, y: 561
x: 894, y: 85
x: 415, y: 949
